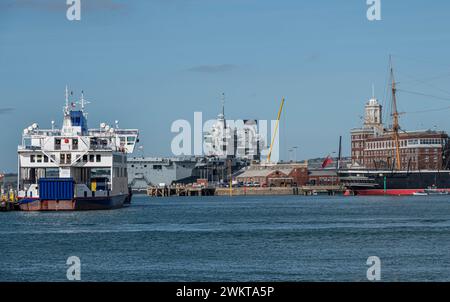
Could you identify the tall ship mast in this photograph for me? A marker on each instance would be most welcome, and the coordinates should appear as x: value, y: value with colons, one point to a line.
x: 74, y: 167
x: 392, y: 161
x: 395, y: 124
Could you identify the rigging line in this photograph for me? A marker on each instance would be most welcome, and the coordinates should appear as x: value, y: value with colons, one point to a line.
x: 427, y: 84
x: 441, y: 76
x: 428, y: 110
x: 386, y: 94
x: 419, y: 60
x: 424, y: 94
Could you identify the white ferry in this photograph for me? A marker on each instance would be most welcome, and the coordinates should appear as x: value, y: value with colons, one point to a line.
x: 74, y: 168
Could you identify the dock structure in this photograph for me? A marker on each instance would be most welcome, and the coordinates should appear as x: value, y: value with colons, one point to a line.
x: 8, y: 206
x: 302, y: 190
x: 8, y: 201
x: 155, y: 191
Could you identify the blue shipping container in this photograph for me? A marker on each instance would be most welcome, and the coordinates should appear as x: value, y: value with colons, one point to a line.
x: 56, y: 188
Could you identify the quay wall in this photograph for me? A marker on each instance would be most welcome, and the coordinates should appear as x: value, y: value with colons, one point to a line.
x: 258, y: 191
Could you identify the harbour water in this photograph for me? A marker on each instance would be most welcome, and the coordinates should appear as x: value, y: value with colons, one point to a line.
x: 282, y: 238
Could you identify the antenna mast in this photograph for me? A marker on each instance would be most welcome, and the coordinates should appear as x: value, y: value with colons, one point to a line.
x: 223, y: 110
x: 395, y: 124
x: 66, y: 108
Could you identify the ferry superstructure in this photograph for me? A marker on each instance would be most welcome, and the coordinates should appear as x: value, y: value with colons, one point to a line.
x: 74, y: 168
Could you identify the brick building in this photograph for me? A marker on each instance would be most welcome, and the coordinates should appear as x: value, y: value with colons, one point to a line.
x: 323, y: 177
x: 279, y: 175
x: 373, y: 147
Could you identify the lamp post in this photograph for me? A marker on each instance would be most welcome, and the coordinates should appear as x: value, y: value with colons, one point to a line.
x: 295, y: 153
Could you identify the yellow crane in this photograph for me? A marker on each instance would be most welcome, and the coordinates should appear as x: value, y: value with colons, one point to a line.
x: 275, y: 130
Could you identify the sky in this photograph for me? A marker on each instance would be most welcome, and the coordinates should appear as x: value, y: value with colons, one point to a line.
x: 149, y: 63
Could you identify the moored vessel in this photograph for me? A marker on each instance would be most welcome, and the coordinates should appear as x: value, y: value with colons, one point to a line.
x: 74, y: 168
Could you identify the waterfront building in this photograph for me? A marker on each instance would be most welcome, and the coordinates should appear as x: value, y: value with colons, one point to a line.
x: 373, y: 147
x: 281, y: 174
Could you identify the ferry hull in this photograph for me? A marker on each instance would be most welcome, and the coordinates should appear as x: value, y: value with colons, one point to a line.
x: 76, y: 204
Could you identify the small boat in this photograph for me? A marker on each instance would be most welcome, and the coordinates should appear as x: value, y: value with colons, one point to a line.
x: 420, y: 194
x: 432, y: 190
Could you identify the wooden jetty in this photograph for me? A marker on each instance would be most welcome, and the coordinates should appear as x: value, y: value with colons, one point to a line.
x: 303, y: 190
x: 180, y: 191
x: 155, y: 191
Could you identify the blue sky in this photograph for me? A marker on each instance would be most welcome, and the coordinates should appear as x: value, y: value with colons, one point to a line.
x: 148, y: 63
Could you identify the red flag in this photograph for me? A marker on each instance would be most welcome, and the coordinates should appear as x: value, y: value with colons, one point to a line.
x: 326, y: 162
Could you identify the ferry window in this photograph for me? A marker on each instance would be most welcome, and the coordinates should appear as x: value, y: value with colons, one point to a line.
x: 157, y: 167
x: 69, y: 158
x: 57, y: 144
x: 32, y: 158
x: 62, y: 158
x: 85, y: 158
x: 75, y: 144
x: 91, y: 158
x: 45, y: 159
x: 130, y: 140
x: 98, y: 158
x: 39, y: 158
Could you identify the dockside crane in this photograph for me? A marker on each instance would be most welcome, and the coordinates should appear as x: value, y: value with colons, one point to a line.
x: 275, y: 130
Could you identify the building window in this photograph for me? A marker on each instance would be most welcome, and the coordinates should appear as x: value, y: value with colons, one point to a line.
x: 91, y: 158
x: 98, y: 158
x: 32, y: 158
x: 85, y: 158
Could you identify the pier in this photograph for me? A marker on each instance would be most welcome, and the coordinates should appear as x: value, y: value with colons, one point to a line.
x: 180, y: 191
x: 154, y: 191
x: 262, y: 191
x: 8, y: 201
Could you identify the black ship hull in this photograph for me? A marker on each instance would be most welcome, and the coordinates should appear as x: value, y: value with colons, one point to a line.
x: 365, y: 182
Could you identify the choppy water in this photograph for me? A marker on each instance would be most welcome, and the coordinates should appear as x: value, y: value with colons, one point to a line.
x: 292, y: 238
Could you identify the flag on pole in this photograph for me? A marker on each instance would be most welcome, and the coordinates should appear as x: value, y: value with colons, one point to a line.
x: 326, y: 162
